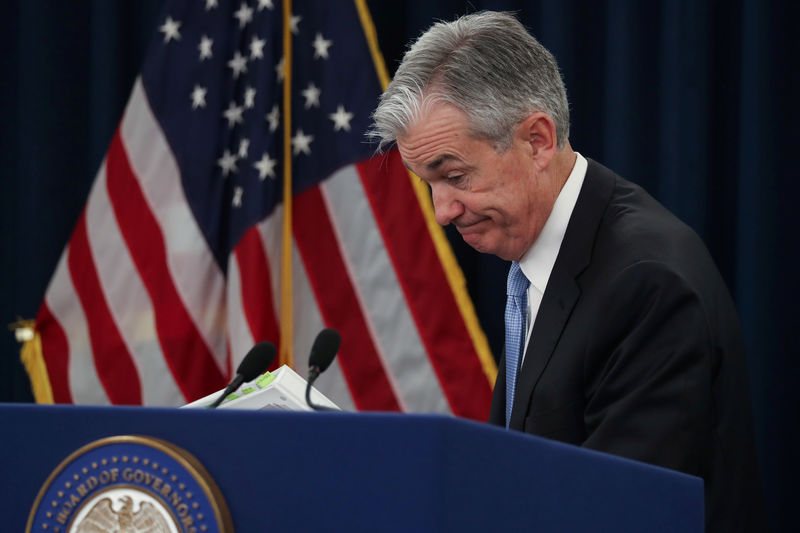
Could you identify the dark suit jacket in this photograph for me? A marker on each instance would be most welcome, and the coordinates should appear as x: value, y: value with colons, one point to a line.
x: 637, y: 351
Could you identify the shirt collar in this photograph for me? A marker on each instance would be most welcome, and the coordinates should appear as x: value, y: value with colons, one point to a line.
x: 538, y: 261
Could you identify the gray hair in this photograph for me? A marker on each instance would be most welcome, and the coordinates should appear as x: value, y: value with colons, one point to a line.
x: 486, y: 65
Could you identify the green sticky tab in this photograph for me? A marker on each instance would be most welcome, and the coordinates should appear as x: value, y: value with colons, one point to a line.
x: 231, y: 396
x: 247, y: 390
x: 265, y: 380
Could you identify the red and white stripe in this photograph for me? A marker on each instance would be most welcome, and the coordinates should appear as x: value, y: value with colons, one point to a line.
x: 138, y: 311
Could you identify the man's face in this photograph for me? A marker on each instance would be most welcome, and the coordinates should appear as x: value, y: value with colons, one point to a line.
x: 497, y: 201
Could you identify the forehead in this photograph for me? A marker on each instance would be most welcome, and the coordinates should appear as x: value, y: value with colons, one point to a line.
x: 438, y: 135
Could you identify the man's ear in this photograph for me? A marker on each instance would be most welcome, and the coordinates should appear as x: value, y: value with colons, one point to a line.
x: 538, y: 132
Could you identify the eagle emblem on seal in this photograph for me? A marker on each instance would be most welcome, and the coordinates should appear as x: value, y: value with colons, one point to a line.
x: 102, y: 518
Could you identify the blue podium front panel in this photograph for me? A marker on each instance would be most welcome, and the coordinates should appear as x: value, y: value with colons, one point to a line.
x: 287, y: 472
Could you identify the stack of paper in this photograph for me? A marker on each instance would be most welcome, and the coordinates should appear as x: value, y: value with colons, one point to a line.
x: 283, y: 389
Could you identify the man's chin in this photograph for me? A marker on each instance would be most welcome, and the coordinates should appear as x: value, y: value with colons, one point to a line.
x: 485, y: 245
x: 477, y: 241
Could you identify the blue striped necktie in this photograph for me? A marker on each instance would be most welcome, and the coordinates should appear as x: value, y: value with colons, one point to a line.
x: 516, y: 304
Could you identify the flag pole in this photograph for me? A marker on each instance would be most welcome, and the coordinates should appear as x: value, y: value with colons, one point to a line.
x: 285, y: 357
x: 33, y: 359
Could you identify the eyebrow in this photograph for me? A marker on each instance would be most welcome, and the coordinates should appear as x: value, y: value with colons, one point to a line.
x: 436, y: 163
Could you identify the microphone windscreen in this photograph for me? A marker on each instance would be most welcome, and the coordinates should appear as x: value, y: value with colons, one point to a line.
x: 324, y: 349
x: 257, y: 360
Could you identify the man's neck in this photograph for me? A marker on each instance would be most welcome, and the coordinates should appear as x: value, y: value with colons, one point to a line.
x: 562, y: 164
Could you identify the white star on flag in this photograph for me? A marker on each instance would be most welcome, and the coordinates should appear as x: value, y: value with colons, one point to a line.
x: 237, y: 196
x: 257, y: 48
x: 341, y: 119
x: 311, y: 94
x: 170, y: 30
x: 274, y: 117
x: 238, y: 64
x: 227, y: 163
x: 293, y: 22
x: 199, y: 97
x: 249, y: 97
x: 321, y: 46
x: 205, y: 47
x: 244, y: 146
x: 265, y: 166
x: 265, y: 3
x: 301, y: 143
x: 244, y: 15
x: 233, y: 114
x: 210, y: 4
x: 280, y: 70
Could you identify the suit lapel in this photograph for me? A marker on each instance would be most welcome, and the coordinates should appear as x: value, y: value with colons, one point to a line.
x: 562, y: 291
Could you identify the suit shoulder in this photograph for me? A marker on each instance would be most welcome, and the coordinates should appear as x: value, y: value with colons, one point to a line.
x: 641, y: 243
x: 636, y: 227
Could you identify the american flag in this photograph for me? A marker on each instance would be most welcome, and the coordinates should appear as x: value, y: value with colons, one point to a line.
x: 173, y: 270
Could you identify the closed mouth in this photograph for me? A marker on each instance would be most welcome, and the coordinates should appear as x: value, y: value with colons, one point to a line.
x: 470, y: 227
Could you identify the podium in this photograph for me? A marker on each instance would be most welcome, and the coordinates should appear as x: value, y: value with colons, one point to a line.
x: 375, y: 472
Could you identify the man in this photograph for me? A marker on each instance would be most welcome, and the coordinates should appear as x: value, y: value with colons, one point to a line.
x: 620, y: 333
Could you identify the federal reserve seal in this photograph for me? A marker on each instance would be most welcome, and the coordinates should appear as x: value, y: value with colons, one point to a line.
x: 129, y: 484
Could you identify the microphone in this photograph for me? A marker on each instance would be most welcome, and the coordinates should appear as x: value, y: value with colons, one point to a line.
x: 322, y: 353
x: 254, y: 363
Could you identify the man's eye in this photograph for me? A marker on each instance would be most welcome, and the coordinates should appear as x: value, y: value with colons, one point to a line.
x: 455, y: 179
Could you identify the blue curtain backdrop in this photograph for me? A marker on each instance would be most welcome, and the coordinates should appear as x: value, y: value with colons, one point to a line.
x: 692, y: 99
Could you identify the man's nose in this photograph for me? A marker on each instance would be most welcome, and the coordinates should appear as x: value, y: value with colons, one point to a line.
x: 446, y: 205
